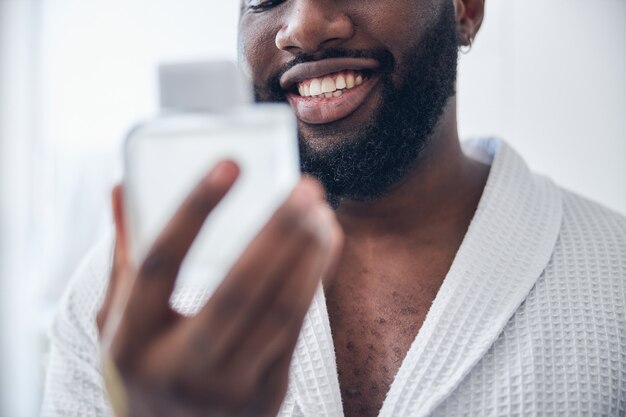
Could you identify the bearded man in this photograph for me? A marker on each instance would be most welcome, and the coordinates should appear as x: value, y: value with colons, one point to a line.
x: 454, y: 280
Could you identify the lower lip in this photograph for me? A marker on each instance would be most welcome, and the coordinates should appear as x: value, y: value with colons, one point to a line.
x: 317, y: 111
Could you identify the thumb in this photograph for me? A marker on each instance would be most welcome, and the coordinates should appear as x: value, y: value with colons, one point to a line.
x: 120, y: 267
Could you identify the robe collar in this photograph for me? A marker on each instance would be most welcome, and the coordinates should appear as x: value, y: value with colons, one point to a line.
x: 505, y: 250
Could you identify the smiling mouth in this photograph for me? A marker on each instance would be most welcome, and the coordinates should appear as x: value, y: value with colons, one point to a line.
x: 332, y: 85
x: 327, y: 91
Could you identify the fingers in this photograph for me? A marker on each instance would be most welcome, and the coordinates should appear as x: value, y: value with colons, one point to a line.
x: 253, y: 320
x: 148, y: 302
x: 272, y: 286
x: 117, y: 203
x: 119, y: 257
x: 276, y: 331
x: 274, y: 385
x: 256, y: 277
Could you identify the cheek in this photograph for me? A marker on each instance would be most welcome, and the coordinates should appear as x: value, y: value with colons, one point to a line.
x: 399, y: 27
x: 391, y: 25
x: 257, y: 48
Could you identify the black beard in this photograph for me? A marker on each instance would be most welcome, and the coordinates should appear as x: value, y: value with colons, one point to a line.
x: 368, y: 164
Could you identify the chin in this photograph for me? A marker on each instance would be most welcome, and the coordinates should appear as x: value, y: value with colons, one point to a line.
x: 322, y: 138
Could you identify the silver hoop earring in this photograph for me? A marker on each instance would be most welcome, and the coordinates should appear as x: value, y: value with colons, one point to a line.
x: 466, y: 48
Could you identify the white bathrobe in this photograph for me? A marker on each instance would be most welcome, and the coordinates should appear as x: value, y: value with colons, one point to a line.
x: 530, y: 319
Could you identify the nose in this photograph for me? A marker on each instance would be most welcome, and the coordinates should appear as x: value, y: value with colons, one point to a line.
x: 312, y: 25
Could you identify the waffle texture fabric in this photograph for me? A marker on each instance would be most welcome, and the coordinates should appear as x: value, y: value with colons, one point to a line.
x: 530, y: 319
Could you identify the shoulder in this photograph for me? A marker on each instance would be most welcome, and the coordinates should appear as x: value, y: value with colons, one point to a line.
x: 85, y: 292
x: 586, y: 274
x: 73, y: 379
x: 593, y: 233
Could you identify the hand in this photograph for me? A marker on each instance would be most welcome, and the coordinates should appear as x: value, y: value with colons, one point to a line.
x: 232, y: 358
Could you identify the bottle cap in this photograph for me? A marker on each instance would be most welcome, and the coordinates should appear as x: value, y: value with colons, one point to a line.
x: 210, y: 87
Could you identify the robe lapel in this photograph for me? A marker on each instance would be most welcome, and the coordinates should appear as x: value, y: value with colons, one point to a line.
x: 507, y: 246
x: 314, y: 378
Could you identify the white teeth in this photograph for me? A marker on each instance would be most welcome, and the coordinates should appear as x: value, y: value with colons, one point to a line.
x: 316, y: 87
x: 350, y: 80
x: 340, y: 82
x: 328, y: 85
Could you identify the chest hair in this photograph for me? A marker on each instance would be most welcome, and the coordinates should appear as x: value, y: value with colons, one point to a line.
x: 373, y: 328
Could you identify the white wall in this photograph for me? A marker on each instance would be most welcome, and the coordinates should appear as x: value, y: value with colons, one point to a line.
x: 100, y: 59
x: 19, y: 366
x: 548, y: 76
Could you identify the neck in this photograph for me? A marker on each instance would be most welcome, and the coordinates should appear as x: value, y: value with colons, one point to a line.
x: 440, y: 193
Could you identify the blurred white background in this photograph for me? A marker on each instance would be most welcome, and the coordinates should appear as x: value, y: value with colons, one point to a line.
x: 546, y: 75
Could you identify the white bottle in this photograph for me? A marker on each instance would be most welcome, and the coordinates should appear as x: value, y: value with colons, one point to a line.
x: 167, y: 157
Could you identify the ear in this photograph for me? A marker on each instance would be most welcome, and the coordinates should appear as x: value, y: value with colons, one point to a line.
x: 469, y: 17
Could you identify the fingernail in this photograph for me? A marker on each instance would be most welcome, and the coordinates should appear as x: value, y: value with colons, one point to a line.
x: 305, y: 191
x: 316, y: 222
x: 218, y: 173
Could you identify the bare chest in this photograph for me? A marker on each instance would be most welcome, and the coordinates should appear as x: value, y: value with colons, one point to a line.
x: 372, y: 333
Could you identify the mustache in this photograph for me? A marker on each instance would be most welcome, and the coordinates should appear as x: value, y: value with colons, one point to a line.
x: 273, y: 92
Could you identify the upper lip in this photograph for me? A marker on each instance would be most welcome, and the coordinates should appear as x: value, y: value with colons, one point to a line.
x: 308, y: 70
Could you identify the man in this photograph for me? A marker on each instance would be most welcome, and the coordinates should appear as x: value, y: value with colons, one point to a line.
x: 453, y: 283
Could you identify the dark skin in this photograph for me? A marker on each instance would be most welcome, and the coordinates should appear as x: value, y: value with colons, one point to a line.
x: 232, y: 358
x: 398, y: 249
x: 389, y: 274
x: 396, y: 253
